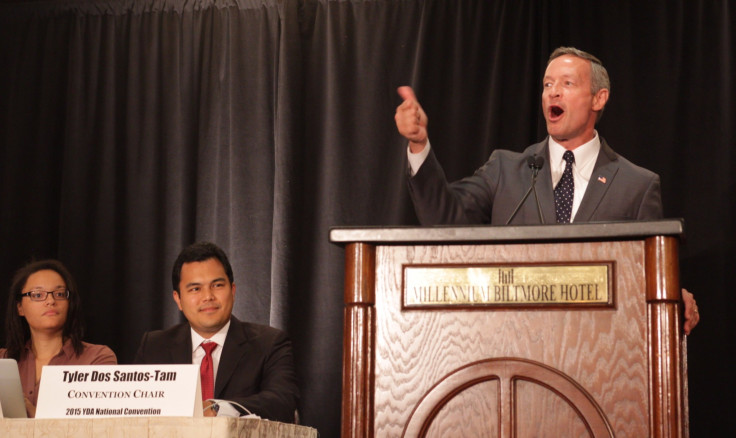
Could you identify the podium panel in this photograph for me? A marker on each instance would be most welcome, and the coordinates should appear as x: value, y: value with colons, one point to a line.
x: 527, y: 369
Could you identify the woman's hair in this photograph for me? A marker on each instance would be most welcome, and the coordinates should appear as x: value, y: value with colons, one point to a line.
x: 17, y: 332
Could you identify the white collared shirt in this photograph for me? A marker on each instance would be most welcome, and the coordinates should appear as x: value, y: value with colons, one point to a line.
x: 585, y: 158
x: 198, y: 351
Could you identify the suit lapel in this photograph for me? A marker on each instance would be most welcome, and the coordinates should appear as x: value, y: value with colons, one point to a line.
x: 232, y: 352
x: 606, y: 167
x: 544, y: 185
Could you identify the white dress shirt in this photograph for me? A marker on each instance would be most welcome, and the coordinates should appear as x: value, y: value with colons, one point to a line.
x: 585, y: 158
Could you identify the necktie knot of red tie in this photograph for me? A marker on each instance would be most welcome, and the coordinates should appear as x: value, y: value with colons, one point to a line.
x: 209, y: 347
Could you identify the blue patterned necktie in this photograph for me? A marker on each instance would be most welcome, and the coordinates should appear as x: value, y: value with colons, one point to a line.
x: 565, y: 190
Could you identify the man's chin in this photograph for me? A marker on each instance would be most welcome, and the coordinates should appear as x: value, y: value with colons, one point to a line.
x: 556, y: 133
x: 209, y: 327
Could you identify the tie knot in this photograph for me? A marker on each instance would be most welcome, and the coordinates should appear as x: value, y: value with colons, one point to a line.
x: 208, y: 347
x: 569, y: 157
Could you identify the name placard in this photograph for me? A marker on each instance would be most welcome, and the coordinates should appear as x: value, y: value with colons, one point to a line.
x: 509, y: 285
x: 97, y: 391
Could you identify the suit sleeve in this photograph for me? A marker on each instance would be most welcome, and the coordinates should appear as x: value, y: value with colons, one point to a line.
x: 651, y: 204
x: 278, y: 393
x: 468, y: 201
x: 140, y: 355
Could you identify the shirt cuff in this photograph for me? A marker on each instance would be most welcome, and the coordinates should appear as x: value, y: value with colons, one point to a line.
x: 416, y: 160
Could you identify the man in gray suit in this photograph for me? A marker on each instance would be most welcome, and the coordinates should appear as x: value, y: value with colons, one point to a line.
x: 581, y: 179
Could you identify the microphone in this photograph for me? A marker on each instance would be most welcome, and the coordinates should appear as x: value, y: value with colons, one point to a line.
x: 536, y: 167
x: 535, y: 163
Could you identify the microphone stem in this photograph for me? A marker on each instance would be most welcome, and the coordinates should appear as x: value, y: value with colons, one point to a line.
x: 536, y: 198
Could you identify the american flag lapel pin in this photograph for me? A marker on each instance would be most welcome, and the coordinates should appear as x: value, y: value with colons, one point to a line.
x: 602, y: 179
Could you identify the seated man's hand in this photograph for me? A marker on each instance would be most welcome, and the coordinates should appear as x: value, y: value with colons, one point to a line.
x: 692, y: 316
x: 209, y: 411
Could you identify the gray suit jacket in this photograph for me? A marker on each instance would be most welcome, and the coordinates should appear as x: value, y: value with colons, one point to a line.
x: 618, y: 190
x: 256, y: 367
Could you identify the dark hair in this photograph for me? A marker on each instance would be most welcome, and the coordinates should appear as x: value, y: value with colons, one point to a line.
x: 199, y: 252
x: 17, y: 331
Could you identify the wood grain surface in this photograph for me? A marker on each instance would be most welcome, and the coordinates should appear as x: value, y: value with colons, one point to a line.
x: 603, y: 350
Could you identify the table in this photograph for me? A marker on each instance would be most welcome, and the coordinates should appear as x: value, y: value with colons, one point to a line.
x: 152, y: 427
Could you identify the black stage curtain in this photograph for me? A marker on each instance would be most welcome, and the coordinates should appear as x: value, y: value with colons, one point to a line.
x: 131, y: 128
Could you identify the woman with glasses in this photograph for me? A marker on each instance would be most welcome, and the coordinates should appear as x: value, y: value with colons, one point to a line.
x: 44, y: 326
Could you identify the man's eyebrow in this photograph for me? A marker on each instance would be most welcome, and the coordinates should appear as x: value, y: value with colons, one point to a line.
x: 197, y: 283
x: 565, y: 75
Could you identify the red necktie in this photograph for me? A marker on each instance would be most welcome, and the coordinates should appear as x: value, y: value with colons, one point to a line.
x: 206, y: 374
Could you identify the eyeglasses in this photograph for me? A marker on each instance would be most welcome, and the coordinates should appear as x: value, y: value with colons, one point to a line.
x: 41, y: 295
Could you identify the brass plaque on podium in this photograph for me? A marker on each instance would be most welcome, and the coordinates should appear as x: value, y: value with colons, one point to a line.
x: 561, y: 285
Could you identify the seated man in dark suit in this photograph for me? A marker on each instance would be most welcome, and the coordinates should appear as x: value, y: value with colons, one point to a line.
x: 580, y: 177
x: 252, y: 365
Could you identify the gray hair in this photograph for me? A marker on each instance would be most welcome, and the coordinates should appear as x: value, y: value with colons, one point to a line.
x: 598, y: 74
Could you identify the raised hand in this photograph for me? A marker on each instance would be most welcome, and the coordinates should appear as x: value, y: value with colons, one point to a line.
x: 411, y: 121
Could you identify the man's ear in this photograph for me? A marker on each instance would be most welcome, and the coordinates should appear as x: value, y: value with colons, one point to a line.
x: 600, y: 99
x: 177, y: 298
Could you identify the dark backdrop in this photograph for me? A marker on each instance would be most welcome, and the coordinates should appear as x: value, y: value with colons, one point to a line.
x: 129, y: 129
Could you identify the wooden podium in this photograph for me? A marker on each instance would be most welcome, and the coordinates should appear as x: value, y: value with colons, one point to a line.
x: 524, y: 331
